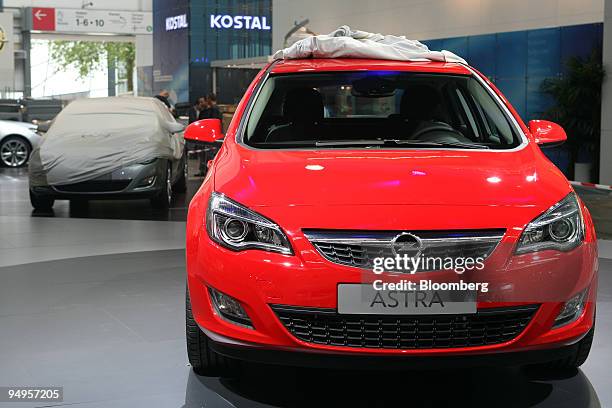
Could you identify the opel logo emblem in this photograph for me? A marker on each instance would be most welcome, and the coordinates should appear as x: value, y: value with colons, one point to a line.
x: 407, y: 244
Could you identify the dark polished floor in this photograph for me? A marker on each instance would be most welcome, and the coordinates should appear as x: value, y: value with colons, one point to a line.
x: 14, y: 201
x: 110, y: 330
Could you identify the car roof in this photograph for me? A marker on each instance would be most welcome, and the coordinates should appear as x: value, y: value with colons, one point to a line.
x: 111, y: 104
x: 354, y: 64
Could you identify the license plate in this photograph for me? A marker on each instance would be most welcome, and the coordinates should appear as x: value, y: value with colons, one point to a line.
x: 364, y: 299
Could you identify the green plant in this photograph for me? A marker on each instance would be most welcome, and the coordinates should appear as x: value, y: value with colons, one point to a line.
x: 87, y: 56
x: 577, y: 108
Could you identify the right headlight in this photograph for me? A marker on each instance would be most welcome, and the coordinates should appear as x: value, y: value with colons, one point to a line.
x: 237, y: 227
x: 560, y: 228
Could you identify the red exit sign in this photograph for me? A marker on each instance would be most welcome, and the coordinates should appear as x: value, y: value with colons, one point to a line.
x: 43, y: 19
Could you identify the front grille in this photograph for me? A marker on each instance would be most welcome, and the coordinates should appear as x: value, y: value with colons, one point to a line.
x: 325, y: 326
x: 359, y: 248
x: 94, y: 186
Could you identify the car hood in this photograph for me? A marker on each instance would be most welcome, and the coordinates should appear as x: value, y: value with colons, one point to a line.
x: 16, y: 126
x: 443, y: 177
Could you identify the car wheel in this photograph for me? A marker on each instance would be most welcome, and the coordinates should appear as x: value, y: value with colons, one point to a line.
x: 14, y: 151
x: 181, y: 184
x: 202, y: 358
x: 41, y: 202
x: 164, y: 198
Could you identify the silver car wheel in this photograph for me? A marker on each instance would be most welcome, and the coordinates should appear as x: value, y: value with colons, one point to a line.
x: 14, y: 152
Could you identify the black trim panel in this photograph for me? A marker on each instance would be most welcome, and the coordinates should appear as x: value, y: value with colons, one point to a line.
x: 323, y: 359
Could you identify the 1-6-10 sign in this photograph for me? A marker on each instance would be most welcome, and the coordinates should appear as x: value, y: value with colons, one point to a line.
x: 91, y: 21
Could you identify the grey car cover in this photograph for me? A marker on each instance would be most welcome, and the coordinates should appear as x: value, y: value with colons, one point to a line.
x: 347, y: 43
x: 93, y: 137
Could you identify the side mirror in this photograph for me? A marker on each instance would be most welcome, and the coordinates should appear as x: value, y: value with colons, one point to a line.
x: 205, y: 130
x: 174, y: 127
x: 546, y: 133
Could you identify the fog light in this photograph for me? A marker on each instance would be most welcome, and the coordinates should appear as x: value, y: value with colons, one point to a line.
x: 229, y: 308
x: 146, y: 182
x: 572, y: 309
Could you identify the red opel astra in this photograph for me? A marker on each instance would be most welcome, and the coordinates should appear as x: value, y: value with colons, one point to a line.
x: 332, y: 172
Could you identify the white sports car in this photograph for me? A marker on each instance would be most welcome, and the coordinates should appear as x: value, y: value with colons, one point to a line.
x: 17, y: 140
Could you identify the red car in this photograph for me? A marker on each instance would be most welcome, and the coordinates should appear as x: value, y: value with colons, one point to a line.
x: 334, y: 167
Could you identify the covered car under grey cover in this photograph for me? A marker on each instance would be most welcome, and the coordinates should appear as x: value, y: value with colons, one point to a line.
x: 93, y: 137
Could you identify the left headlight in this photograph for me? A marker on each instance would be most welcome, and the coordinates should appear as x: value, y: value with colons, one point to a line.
x: 238, y: 228
x: 560, y: 228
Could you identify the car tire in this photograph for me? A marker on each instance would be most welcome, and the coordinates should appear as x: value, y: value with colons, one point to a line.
x: 163, y: 199
x: 181, y: 184
x: 41, y: 202
x: 14, y: 151
x: 203, y: 359
x: 576, y: 359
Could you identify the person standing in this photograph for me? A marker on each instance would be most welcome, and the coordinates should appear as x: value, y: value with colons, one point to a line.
x: 164, y: 97
x: 195, y: 111
x: 212, y: 111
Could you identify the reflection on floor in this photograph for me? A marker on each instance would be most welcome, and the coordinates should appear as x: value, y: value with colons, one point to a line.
x: 27, y: 239
x: 599, y: 202
x: 14, y: 200
x: 91, y: 299
x: 110, y: 329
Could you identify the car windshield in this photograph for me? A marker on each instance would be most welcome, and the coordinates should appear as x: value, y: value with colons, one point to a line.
x: 377, y: 110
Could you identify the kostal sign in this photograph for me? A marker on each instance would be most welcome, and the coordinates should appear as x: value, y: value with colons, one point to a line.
x: 176, y: 22
x: 91, y: 21
x: 239, y: 22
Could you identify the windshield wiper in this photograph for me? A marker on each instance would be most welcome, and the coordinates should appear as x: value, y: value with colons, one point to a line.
x: 344, y: 143
x: 424, y: 143
x: 397, y: 142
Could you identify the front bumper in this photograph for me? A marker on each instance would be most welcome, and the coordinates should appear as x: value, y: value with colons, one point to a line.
x: 129, y: 182
x: 300, y: 357
x: 260, y: 280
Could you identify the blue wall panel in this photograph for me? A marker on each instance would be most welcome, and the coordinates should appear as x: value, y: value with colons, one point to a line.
x: 434, y: 44
x: 518, y: 62
x: 543, y: 52
x: 479, y: 53
x: 511, y: 55
x: 458, y: 45
x: 580, y: 40
x: 537, y: 102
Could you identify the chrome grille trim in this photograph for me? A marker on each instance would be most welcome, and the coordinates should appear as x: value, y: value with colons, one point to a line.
x: 359, y: 248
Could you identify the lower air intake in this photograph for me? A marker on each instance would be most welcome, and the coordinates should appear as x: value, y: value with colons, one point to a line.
x: 325, y: 326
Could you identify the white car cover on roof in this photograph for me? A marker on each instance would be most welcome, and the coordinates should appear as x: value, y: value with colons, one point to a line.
x: 347, y: 43
x: 93, y: 137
